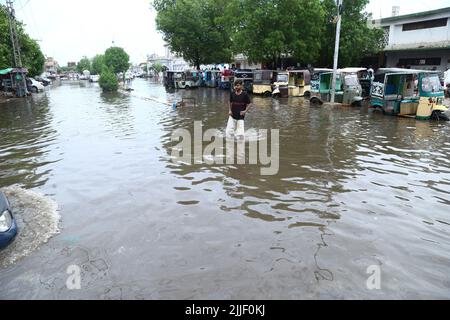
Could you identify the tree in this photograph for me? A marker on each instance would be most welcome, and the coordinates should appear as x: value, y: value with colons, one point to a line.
x: 97, y: 64
x: 117, y: 60
x: 108, y: 80
x: 267, y: 30
x: 83, y: 64
x: 357, y: 39
x: 66, y: 69
x: 157, y: 67
x: 195, y: 29
x: 31, y: 54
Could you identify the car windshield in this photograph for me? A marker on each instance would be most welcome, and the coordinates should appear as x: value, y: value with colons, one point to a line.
x: 351, y: 80
x: 431, y: 84
x: 282, y: 78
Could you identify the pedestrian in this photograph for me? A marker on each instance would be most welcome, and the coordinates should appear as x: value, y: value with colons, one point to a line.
x: 239, y: 106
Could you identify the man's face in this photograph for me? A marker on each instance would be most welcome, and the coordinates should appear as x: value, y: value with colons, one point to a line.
x: 238, y: 87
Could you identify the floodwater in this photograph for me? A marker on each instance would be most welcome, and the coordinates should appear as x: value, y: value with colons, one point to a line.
x: 357, y: 195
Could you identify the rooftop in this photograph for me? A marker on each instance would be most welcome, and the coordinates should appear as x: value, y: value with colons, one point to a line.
x: 415, y: 15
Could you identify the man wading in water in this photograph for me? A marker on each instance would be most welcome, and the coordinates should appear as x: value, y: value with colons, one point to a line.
x: 239, y: 105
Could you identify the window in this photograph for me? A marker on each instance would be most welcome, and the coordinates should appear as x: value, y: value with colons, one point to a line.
x: 420, y: 62
x: 431, y: 84
x: 425, y: 24
x: 386, y: 36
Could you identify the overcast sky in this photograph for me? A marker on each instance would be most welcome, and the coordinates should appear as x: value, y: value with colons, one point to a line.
x: 70, y: 29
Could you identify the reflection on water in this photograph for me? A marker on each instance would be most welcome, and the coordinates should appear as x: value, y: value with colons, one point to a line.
x: 27, y: 136
x: 354, y: 188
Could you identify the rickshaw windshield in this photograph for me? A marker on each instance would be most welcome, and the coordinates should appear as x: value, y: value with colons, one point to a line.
x: 282, y: 78
x: 431, y: 83
x: 351, y: 80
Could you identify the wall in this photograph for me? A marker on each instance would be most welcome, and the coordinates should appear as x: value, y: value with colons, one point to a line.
x: 393, y: 58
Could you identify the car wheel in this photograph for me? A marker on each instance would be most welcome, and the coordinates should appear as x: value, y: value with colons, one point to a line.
x: 34, y: 89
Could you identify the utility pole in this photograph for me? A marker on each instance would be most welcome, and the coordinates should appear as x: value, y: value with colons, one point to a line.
x: 15, y: 42
x: 13, y: 34
x: 336, y: 50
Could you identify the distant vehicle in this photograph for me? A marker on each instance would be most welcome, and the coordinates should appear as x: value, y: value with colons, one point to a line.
x: 43, y: 80
x: 299, y: 83
x: 34, y: 86
x: 8, y: 226
x: 280, y: 85
x: 94, y: 78
x: 263, y: 81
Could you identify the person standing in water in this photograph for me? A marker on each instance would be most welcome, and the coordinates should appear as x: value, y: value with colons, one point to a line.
x: 239, y: 106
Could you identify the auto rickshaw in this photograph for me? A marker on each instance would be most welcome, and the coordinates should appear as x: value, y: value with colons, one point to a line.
x: 299, y: 83
x: 315, y: 78
x: 169, y: 79
x: 187, y: 79
x: 280, y: 86
x: 348, y: 89
x: 409, y: 93
x: 262, y: 81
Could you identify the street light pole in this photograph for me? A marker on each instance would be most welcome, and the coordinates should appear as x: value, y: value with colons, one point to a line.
x: 336, y: 51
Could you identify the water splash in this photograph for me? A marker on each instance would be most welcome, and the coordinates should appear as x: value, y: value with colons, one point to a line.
x: 37, y: 219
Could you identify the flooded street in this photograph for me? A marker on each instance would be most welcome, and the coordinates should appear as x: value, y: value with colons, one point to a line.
x: 354, y: 189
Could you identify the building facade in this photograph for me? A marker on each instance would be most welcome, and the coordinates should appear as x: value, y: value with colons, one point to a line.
x: 418, y: 41
x: 51, y: 66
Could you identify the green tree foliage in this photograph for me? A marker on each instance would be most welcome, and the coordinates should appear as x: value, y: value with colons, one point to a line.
x: 97, y: 64
x: 66, y: 69
x: 32, y: 57
x: 207, y: 31
x: 83, y: 64
x: 266, y: 30
x: 157, y: 67
x: 195, y: 29
x: 357, y: 39
x: 117, y: 59
x: 108, y: 80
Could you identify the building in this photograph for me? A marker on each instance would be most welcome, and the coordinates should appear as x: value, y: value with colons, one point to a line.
x: 51, y: 65
x: 241, y: 62
x: 419, y: 40
x: 71, y: 64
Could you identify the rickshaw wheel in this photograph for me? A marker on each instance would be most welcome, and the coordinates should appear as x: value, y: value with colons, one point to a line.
x: 315, y: 101
x: 439, y: 116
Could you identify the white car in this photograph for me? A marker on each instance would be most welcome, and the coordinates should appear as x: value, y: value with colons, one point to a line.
x: 34, y: 86
x: 95, y: 78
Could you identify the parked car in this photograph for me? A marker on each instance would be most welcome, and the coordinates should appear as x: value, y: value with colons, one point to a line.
x: 34, y: 86
x: 94, y: 78
x: 43, y: 80
x: 8, y: 226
